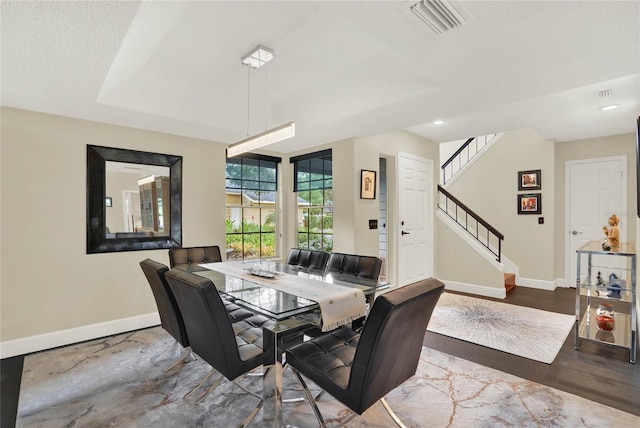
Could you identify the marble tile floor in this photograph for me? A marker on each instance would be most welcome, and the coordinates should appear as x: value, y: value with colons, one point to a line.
x: 120, y: 381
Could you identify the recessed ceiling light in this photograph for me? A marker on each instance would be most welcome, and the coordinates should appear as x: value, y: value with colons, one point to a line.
x: 610, y: 107
x: 438, y: 122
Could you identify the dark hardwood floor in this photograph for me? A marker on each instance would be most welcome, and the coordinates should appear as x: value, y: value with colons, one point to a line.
x: 597, y: 372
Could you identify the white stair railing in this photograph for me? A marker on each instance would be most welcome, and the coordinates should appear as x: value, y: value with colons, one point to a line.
x: 465, y: 154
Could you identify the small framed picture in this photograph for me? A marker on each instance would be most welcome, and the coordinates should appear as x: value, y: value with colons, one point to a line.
x: 530, y: 203
x: 367, y: 184
x: 529, y: 180
x: 108, y: 202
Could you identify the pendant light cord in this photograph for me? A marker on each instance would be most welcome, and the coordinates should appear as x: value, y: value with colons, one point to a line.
x: 266, y: 93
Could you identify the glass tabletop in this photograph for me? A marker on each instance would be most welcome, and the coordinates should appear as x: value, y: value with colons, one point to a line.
x: 274, y: 303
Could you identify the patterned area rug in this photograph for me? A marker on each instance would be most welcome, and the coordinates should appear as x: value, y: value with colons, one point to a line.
x: 518, y: 330
x: 120, y: 381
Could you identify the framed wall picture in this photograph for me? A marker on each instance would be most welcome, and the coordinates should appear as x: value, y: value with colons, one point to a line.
x: 108, y: 201
x: 367, y: 184
x: 530, y: 203
x: 529, y: 180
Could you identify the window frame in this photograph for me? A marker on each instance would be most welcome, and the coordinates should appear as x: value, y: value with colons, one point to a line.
x: 258, y: 188
x: 320, y: 178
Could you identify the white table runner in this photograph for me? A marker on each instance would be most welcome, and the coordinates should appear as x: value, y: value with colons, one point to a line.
x: 339, y: 305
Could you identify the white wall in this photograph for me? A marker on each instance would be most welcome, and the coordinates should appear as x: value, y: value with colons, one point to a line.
x: 49, y: 284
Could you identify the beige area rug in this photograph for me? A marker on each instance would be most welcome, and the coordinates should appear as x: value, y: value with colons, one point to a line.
x: 518, y: 330
x: 120, y: 381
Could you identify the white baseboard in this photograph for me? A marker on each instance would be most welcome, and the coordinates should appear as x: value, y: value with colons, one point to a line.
x: 27, y: 345
x: 536, y: 283
x: 481, y: 290
x: 563, y: 283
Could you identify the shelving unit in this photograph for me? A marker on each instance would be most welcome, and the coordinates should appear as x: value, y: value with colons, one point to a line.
x: 154, y: 205
x: 623, y: 264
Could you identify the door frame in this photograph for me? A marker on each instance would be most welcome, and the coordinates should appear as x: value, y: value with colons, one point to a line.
x: 567, y: 206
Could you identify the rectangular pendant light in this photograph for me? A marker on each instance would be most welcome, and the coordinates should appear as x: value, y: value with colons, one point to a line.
x: 271, y: 136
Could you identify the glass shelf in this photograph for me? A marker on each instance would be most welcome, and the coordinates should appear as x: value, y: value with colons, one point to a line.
x: 619, y: 336
x: 600, y: 292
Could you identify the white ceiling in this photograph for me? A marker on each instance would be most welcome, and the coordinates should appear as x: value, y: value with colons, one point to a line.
x: 341, y: 69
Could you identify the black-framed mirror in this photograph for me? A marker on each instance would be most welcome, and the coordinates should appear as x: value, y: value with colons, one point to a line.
x: 157, y: 181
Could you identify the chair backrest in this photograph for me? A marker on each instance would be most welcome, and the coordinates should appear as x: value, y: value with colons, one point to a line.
x: 186, y: 256
x: 312, y: 259
x: 390, y: 344
x: 353, y: 265
x: 210, y: 331
x: 170, y: 316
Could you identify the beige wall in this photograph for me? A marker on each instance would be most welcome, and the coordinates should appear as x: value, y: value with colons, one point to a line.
x: 468, y: 266
x: 351, y: 214
x: 614, y: 145
x: 49, y: 284
x: 48, y: 281
x: 490, y: 188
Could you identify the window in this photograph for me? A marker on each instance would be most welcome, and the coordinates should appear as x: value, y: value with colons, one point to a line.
x: 313, y: 182
x: 251, y: 206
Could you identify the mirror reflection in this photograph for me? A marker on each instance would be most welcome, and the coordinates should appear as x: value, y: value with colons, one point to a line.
x: 140, y: 200
x: 134, y: 200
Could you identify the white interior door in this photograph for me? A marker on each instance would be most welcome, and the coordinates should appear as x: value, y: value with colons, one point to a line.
x: 415, y: 201
x: 595, y: 189
x: 131, y: 210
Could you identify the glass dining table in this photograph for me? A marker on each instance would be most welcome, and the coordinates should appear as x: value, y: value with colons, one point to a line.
x: 293, y: 314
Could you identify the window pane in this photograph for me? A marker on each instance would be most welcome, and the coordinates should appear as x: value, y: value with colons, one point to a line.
x: 234, y: 220
x: 268, y: 219
x: 251, y: 218
x: 268, y: 171
x: 268, y: 246
x: 304, y: 197
x: 251, y: 185
x: 234, y: 168
x: 303, y: 241
x: 234, y: 243
x: 267, y: 186
x: 233, y: 183
x: 328, y: 197
x: 316, y: 197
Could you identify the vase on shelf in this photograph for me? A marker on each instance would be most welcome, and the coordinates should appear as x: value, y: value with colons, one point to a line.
x: 605, y: 317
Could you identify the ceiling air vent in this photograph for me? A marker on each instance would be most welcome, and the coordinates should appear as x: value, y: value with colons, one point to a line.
x: 439, y: 15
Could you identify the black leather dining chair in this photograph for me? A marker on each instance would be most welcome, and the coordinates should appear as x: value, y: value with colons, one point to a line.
x: 310, y: 259
x: 233, y: 349
x: 360, y: 369
x: 181, y: 257
x: 170, y: 317
x: 367, y: 267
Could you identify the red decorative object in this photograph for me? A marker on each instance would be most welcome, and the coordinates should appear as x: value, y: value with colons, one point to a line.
x: 605, y: 317
x: 605, y: 322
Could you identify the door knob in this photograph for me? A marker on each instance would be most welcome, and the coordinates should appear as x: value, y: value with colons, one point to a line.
x: 404, y: 233
x: 575, y: 232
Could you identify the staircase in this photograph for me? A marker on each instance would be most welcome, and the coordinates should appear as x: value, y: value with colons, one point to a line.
x: 509, y: 281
